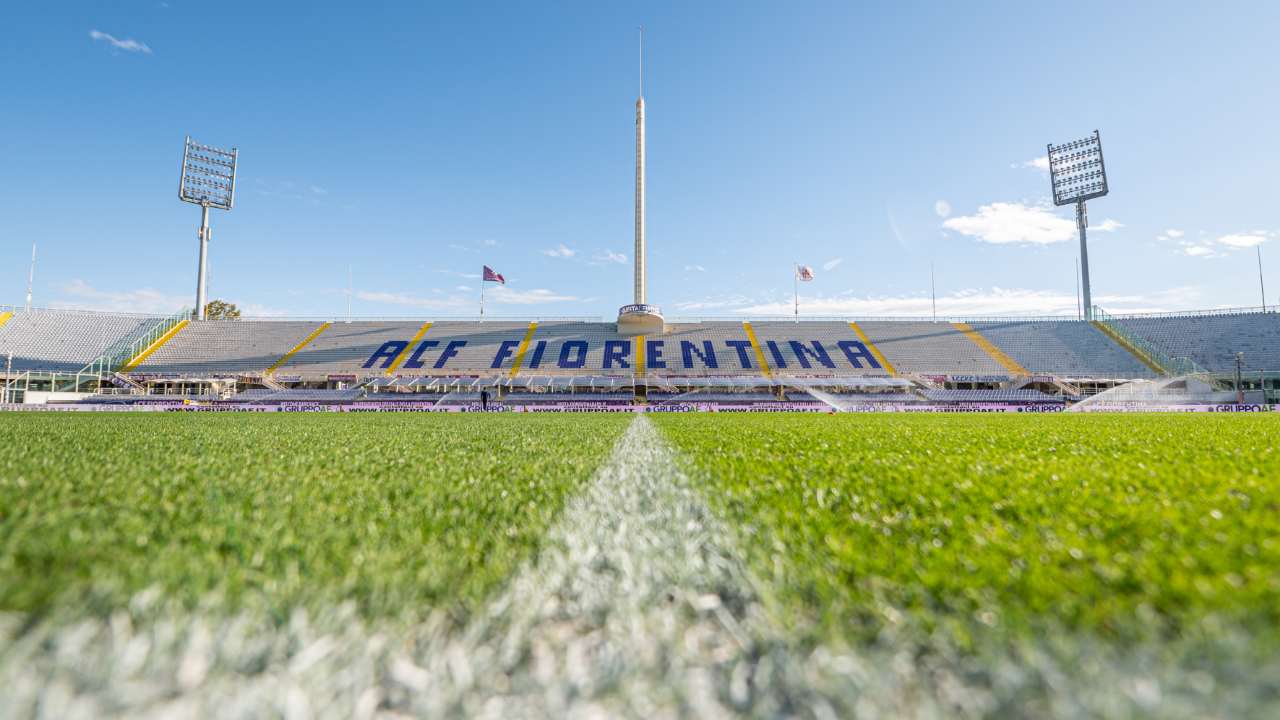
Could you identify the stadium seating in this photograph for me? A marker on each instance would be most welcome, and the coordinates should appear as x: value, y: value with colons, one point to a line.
x: 1212, y: 341
x: 226, y: 347
x: 1067, y: 348
x: 713, y: 356
x: 776, y: 338
x: 719, y: 334
x: 989, y: 396
x: 858, y: 398
x: 66, y: 340
x: 343, y: 347
x: 554, y: 398
x: 935, y: 348
x: 721, y: 398
x: 298, y: 395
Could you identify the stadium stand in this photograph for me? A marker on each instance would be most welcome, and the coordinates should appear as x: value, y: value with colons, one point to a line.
x: 66, y: 340
x: 815, y: 348
x: 859, y: 398
x: 298, y: 395
x: 343, y: 347
x: 1212, y: 340
x: 930, y: 348
x: 559, y: 346
x: 725, y: 339
x: 1068, y: 348
x: 567, y: 361
x: 225, y: 347
x: 989, y: 396
x: 723, y: 398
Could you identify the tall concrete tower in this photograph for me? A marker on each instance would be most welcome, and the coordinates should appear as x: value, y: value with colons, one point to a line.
x: 640, y: 318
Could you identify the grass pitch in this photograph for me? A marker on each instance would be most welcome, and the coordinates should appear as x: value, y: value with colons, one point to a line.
x: 402, y: 514
x: 902, y: 565
x: 1124, y: 527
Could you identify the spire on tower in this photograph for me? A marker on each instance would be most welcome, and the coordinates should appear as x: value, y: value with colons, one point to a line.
x: 641, y: 61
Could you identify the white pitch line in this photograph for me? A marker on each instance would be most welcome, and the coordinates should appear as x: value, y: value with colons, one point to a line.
x: 635, y: 607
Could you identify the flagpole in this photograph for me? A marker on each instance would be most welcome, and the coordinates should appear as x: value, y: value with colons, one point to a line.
x: 933, y: 292
x: 1261, y: 286
x: 795, y: 282
x: 481, y: 296
x: 31, y: 277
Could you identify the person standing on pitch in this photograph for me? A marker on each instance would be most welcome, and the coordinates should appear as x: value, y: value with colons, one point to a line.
x: 484, y: 400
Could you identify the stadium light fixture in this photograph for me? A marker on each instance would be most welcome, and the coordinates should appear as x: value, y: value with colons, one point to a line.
x: 208, y: 179
x: 1078, y: 174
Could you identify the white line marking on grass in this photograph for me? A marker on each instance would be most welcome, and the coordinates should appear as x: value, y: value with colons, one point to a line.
x: 635, y: 607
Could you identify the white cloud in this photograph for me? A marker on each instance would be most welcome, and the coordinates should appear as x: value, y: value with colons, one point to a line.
x: 1041, y: 163
x: 1175, y: 234
x: 1107, y: 225
x: 408, y: 299
x: 1243, y: 240
x: 80, y: 295
x: 500, y: 295
x: 694, y: 268
x: 942, y: 208
x: 832, y: 264
x: 560, y: 251
x: 129, y: 45
x: 993, y: 301
x: 712, y: 303
x: 474, y: 247
x: 290, y: 190
x: 255, y: 310
x: 1215, y: 248
x: 455, y: 273
x: 609, y: 256
x: 1004, y: 223
x: 503, y: 295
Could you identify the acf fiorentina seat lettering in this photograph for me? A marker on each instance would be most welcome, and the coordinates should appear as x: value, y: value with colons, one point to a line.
x: 573, y: 354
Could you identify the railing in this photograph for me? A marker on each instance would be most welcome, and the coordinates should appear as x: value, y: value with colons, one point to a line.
x: 1248, y: 310
x: 1172, y: 365
x: 11, y: 391
x: 75, y: 311
x: 1068, y: 317
x: 419, y: 318
x: 125, y: 350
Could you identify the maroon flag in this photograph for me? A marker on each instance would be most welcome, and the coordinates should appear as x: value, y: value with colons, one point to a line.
x: 491, y: 276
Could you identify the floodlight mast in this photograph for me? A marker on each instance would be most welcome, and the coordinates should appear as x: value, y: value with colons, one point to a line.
x: 208, y: 179
x: 1077, y: 174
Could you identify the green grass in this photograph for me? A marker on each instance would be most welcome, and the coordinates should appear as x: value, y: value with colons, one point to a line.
x: 1120, y: 527
x: 402, y: 514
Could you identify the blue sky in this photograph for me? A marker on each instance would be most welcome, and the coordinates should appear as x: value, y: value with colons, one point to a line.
x: 414, y: 142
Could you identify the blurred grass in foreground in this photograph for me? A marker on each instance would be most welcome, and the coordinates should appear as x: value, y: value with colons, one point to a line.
x: 401, y: 513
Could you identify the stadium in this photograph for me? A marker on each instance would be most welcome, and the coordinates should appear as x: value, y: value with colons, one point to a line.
x: 1006, y: 515
x: 60, y: 359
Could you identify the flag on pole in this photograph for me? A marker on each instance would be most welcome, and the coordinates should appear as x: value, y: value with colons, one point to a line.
x: 491, y: 276
x: 804, y: 273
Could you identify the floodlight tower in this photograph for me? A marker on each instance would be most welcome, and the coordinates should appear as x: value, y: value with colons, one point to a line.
x: 209, y: 180
x: 1077, y: 174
